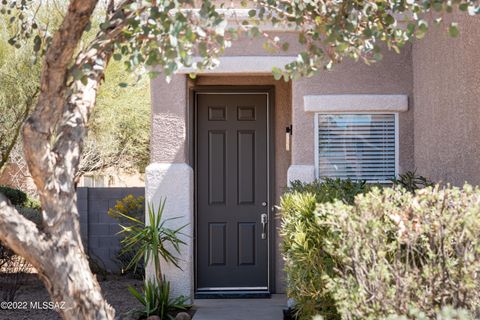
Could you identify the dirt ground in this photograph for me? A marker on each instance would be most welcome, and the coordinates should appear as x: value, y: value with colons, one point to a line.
x: 114, y: 288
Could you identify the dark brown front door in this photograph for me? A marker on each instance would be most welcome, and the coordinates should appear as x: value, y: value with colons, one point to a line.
x: 232, y: 191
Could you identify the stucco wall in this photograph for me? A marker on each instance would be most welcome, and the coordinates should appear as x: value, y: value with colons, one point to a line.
x: 393, y: 75
x: 169, y: 114
x: 447, y: 102
x: 246, y: 46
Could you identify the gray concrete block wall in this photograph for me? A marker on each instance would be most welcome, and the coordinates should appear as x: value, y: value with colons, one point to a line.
x: 97, y: 228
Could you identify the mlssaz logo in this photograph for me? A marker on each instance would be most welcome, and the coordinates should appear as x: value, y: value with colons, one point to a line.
x: 45, y: 305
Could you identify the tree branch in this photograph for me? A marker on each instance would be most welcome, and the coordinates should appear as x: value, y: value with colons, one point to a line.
x: 21, y: 235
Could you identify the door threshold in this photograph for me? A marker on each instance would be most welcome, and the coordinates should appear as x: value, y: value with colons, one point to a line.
x: 233, y: 294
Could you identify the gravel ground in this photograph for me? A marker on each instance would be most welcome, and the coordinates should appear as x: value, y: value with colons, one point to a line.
x: 114, y: 288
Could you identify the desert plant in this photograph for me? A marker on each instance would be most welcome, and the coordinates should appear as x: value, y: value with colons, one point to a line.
x: 31, y: 214
x: 391, y: 252
x: 328, y: 189
x: 150, y: 240
x: 19, y: 198
x: 305, y: 261
x: 395, y: 251
x: 32, y: 203
x: 129, y: 206
x: 16, y: 197
x: 411, y: 181
x: 157, y: 301
x: 446, y: 313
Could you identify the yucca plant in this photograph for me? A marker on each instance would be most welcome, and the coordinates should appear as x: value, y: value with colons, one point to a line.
x: 149, y: 240
x: 156, y: 300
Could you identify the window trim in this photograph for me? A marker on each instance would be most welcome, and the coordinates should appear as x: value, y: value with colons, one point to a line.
x: 316, y: 138
x: 356, y: 103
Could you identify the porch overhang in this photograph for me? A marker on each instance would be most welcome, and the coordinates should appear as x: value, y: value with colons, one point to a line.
x: 244, y: 65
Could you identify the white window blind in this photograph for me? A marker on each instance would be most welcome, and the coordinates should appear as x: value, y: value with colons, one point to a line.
x: 357, y: 146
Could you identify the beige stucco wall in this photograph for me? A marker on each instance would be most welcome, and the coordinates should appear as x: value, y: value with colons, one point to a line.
x: 168, y: 141
x: 393, y: 75
x: 254, y: 46
x: 447, y: 103
x: 170, y: 118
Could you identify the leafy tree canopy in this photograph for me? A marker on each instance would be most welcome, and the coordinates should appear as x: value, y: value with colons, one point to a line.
x: 170, y: 34
x: 332, y: 30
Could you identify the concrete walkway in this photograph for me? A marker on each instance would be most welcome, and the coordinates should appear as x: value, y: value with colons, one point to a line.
x: 241, y: 309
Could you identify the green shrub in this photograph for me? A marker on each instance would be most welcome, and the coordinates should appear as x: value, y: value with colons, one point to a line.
x: 305, y: 261
x: 16, y: 197
x: 32, y: 203
x: 130, y: 206
x: 446, y: 313
x: 32, y: 214
x: 412, y: 182
x: 157, y: 300
x: 328, y: 190
x: 19, y: 198
x: 152, y: 243
x: 390, y: 253
x: 395, y: 251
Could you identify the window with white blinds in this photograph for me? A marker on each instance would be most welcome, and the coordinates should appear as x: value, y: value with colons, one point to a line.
x: 357, y: 146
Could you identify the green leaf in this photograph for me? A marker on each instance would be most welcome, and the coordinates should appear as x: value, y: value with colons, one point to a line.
x: 105, y: 25
x: 389, y: 19
x: 84, y: 80
x: 423, y: 25
x: 277, y: 73
x: 301, y: 38
x: 438, y: 6
x: 463, y: 6
x: 136, y: 294
x: 76, y: 73
x: 252, y: 13
x: 453, y: 30
x: 37, y: 43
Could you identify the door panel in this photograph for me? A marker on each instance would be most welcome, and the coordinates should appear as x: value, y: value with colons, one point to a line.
x: 232, y: 188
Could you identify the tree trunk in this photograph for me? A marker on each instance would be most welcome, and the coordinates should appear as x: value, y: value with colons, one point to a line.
x: 53, y: 137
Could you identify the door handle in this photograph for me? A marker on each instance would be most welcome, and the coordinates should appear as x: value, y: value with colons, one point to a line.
x: 264, y: 221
